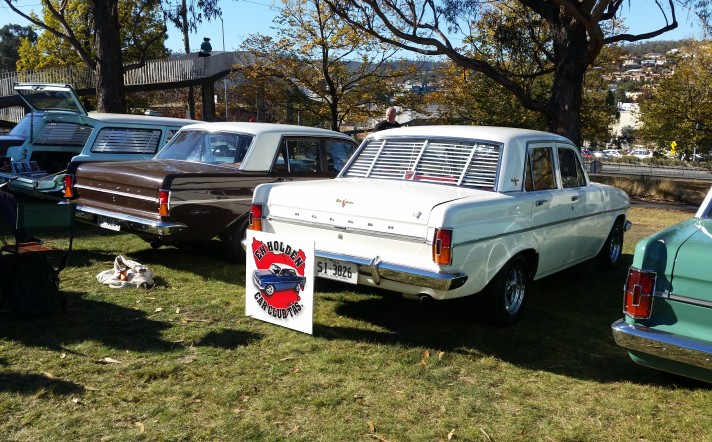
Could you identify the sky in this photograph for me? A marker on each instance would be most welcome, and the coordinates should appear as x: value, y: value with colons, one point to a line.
x: 244, y: 17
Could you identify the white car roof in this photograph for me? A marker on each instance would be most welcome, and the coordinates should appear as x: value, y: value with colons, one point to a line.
x: 139, y: 119
x: 491, y: 133
x: 265, y: 128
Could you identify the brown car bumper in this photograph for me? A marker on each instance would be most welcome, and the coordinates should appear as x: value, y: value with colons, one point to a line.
x: 128, y: 222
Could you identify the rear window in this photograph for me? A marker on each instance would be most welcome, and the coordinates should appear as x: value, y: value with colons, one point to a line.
x: 22, y: 129
x: 126, y: 140
x: 63, y: 134
x: 456, y: 162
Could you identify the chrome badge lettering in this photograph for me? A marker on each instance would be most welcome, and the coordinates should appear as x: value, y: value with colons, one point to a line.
x: 343, y: 202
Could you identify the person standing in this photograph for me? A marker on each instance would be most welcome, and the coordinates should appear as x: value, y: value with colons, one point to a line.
x: 205, y: 48
x: 390, y: 121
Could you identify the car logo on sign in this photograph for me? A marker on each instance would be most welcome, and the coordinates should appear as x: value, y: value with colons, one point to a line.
x: 343, y: 202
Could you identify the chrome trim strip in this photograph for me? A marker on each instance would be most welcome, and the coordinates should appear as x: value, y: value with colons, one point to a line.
x: 154, y: 226
x: 529, y: 229
x: 688, y: 300
x: 662, y: 344
x: 114, y: 192
x: 175, y: 203
x: 317, y: 225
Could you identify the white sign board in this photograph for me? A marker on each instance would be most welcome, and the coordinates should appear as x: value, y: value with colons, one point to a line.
x: 279, y: 280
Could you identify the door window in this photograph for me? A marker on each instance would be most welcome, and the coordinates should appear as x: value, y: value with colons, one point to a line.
x: 540, y: 170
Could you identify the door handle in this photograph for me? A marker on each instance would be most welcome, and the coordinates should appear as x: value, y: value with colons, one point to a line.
x: 540, y: 203
x: 574, y: 198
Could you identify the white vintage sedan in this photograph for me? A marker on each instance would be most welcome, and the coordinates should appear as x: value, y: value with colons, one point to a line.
x: 438, y: 212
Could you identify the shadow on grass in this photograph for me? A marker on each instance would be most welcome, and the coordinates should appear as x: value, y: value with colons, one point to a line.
x: 32, y: 383
x: 228, y: 339
x: 202, y: 259
x: 109, y: 324
x: 565, y: 328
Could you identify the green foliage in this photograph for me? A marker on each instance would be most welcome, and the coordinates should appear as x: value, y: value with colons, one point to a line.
x: 680, y: 108
x: 139, y: 27
x: 322, y: 69
x: 11, y: 37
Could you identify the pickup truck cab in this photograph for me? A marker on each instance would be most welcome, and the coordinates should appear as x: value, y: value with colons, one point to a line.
x: 439, y: 212
x: 60, y: 131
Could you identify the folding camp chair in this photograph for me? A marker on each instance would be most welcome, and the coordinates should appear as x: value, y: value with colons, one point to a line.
x: 30, y: 276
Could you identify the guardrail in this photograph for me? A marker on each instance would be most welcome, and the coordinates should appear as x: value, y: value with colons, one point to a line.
x: 652, y: 170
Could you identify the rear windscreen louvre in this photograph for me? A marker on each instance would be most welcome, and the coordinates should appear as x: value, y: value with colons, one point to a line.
x: 125, y: 140
x: 63, y: 134
x: 455, y: 162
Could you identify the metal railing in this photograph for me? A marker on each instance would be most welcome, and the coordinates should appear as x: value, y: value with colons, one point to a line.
x: 165, y: 71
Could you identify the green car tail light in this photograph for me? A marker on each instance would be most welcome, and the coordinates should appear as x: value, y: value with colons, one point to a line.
x: 638, y: 293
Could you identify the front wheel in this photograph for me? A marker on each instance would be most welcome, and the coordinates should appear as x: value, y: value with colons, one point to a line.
x: 269, y: 290
x: 505, y: 295
x: 612, y: 249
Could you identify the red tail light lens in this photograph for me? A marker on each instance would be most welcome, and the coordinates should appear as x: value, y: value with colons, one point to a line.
x: 256, y: 217
x: 164, y: 197
x: 68, y: 181
x: 638, y: 293
x: 442, y: 246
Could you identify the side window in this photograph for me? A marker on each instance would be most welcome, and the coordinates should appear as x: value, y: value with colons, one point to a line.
x: 338, y: 153
x: 571, y: 172
x: 297, y: 156
x: 540, y: 170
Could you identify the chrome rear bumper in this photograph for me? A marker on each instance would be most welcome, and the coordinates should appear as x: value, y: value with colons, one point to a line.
x: 129, y: 222
x: 662, y: 344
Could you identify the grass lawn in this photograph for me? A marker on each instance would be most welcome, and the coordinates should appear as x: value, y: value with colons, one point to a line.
x: 182, y: 362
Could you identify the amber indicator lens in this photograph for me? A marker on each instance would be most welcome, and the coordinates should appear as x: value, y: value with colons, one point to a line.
x: 163, y: 198
x: 256, y: 217
x: 442, y: 246
x: 68, y: 186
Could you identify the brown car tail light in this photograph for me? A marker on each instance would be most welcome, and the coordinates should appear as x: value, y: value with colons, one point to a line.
x: 68, y: 181
x: 442, y: 246
x: 256, y: 217
x: 638, y: 293
x: 164, y: 197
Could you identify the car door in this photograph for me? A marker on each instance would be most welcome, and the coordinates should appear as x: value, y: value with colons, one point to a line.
x: 586, y: 204
x: 551, y: 208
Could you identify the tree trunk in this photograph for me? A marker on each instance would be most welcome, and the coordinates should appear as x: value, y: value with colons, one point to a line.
x: 109, y: 67
x: 571, y: 53
x: 186, y: 42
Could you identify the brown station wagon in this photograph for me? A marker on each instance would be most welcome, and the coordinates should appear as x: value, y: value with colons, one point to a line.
x: 200, y: 185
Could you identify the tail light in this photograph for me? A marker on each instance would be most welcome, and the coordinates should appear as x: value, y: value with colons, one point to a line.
x: 68, y: 181
x: 256, y: 217
x: 164, y: 197
x: 638, y: 293
x: 442, y: 246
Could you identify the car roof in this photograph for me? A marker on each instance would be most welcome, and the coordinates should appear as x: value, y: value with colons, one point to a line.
x: 139, y: 119
x: 491, y: 133
x: 265, y: 128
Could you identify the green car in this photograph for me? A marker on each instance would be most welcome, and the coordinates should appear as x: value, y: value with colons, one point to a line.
x: 668, y: 299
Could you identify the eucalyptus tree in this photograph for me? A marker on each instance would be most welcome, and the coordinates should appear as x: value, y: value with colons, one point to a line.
x: 93, y: 30
x: 563, y: 38
x: 332, y: 72
x: 11, y: 37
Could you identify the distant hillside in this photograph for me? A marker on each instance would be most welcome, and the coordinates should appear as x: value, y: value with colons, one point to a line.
x: 645, y: 47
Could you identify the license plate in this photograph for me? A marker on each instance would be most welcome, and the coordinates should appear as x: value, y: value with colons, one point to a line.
x: 336, y: 270
x: 108, y: 223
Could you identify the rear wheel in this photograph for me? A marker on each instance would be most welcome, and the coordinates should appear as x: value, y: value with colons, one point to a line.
x: 612, y: 249
x: 232, y: 241
x: 505, y: 295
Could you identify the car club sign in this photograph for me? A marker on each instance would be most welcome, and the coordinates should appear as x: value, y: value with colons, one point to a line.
x: 279, y: 280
